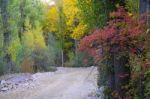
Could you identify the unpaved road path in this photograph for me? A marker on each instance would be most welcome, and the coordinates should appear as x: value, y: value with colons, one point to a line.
x: 66, y: 83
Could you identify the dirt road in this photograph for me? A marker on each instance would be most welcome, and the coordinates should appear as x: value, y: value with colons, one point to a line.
x: 66, y: 83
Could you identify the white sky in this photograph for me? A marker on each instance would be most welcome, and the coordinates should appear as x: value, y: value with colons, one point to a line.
x: 50, y: 2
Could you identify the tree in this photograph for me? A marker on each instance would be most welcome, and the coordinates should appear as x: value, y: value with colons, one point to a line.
x: 7, y: 35
x: 22, y: 18
x: 95, y: 13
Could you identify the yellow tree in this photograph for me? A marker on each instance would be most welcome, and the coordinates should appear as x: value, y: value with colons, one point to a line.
x: 51, y: 19
x: 75, y: 26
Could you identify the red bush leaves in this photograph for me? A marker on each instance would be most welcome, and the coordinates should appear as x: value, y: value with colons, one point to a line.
x: 122, y: 29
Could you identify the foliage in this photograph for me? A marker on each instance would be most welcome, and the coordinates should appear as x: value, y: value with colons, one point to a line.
x: 122, y: 30
x: 54, y: 50
x: 71, y: 12
x: 79, y: 31
x: 75, y: 28
x: 81, y: 59
x: 125, y: 32
x: 1, y: 63
x: 133, y: 6
x: 14, y: 49
x: 42, y: 60
x: 50, y: 23
x: 94, y: 13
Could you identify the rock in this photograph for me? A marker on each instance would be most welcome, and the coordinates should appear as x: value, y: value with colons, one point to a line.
x: 93, y: 97
x: 4, y: 89
x: 3, y: 82
x: 100, y: 92
x: 14, y: 82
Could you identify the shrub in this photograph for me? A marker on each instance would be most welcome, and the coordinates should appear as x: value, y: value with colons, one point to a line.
x: 82, y: 59
x: 1, y: 63
x: 123, y: 37
x: 42, y: 61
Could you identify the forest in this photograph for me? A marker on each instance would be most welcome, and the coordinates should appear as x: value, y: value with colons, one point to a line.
x: 112, y: 35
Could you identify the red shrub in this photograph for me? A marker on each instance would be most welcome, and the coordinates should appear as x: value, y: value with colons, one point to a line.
x: 123, y: 30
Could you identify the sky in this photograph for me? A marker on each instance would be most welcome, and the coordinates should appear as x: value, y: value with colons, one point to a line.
x: 50, y: 2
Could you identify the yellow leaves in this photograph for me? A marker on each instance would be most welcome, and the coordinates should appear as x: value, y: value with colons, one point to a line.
x: 70, y: 10
x: 28, y: 39
x: 70, y: 7
x: 79, y: 31
x: 14, y: 49
x: 33, y: 38
x: 38, y: 38
x: 51, y: 19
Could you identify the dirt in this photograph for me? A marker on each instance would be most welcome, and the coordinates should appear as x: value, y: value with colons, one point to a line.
x: 66, y: 83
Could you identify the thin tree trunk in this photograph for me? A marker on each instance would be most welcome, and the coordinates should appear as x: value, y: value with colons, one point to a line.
x: 142, y: 87
x: 76, y: 52
x: 62, y: 58
x: 111, y: 73
x: 61, y: 28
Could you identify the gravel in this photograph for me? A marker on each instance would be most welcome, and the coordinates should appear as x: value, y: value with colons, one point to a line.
x: 65, y: 83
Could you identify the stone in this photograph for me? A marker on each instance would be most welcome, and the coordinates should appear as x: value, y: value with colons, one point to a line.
x: 3, y: 82
x: 4, y: 89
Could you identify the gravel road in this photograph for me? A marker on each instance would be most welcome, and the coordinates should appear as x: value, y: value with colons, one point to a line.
x: 65, y: 83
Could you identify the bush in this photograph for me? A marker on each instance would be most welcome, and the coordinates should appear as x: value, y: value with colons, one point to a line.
x: 82, y: 59
x: 1, y: 64
x: 42, y: 61
x: 54, y: 50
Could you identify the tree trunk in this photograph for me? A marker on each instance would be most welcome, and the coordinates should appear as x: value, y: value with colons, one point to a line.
x: 122, y: 72
x: 111, y: 74
x: 22, y: 19
x: 144, y: 7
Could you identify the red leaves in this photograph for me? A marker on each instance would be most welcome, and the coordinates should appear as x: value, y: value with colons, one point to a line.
x: 122, y: 30
x: 133, y: 50
x: 97, y: 38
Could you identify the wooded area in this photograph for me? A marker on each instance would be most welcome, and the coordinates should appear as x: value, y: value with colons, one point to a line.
x: 113, y: 35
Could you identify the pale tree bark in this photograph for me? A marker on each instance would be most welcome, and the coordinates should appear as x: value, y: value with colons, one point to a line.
x: 61, y: 24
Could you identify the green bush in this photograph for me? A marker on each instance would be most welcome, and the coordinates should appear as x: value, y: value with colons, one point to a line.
x: 1, y: 63
x: 82, y: 59
x: 54, y: 50
x: 42, y: 60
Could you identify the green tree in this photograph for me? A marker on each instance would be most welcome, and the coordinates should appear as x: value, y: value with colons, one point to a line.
x: 7, y: 35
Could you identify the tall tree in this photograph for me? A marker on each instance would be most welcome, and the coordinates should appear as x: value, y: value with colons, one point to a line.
x: 22, y: 19
x: 7, y: 35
